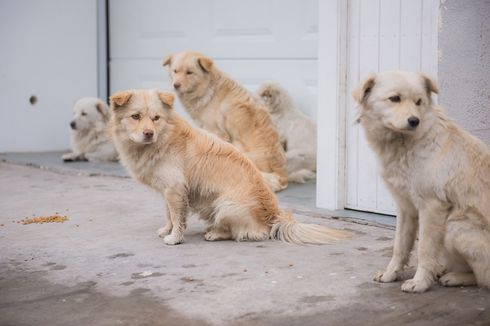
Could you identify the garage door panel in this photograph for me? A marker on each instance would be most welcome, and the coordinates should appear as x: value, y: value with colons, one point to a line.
x: 219, y: 28
x: 297, y: 76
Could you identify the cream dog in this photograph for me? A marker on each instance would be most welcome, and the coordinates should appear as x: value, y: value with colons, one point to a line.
x: 195, y: 171
x: 223, y: 107
x: 297, y: 132
x: 439, y: 176
x: 89, y: 138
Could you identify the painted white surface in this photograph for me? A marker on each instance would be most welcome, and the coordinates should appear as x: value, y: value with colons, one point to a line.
x: 382, y: 35
x: 48, y: 49
x: 253, y: 41
x: 331, y: 98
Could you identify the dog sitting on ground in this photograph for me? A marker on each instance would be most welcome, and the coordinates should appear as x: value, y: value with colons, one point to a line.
x: 439, y: 176
x: 297, y: 132
x: 197, y: 172
x: 220, y: 105
x: 89, y: 138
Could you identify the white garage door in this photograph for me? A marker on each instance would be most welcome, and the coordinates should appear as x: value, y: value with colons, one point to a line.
x: 382, y: 35
x: 253, y: 41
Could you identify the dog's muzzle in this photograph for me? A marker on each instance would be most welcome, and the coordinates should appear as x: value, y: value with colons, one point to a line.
x: 73, y: 125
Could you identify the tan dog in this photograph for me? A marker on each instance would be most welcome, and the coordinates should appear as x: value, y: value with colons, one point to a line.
x: 195, y: 171
x: 223, y: 107
x: 89, y: 138
x: 297, y: 131
x: 439, y: 176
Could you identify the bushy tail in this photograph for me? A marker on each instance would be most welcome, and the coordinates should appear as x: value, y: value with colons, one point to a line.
x: 287, y: 229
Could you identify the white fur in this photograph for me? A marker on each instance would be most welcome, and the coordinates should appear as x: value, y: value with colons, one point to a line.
x: 89, y: 137
x: 297, y: 132
x: 439, y: 176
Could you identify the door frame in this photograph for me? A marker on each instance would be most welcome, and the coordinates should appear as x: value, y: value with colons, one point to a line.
x: 332, y: 74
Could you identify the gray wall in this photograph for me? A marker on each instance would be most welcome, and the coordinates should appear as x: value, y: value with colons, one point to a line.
x: 464, y: 64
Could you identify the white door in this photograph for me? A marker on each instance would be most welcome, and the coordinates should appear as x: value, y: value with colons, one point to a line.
x: 253, y: 41
x: 49, y: 60
x: 382, y: 35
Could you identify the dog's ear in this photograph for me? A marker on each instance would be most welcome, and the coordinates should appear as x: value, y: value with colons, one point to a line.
x: 121, y: 98
x: 361, y: 92
x: 167, y: 60
x: 430, y: 84
x: 166, y: 98
x: 205, y: 63
x: 104, y: 112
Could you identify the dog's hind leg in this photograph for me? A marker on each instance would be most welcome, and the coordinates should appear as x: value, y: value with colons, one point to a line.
x: 177, y: 209
x: 473, y: 243
x: 406, y: 229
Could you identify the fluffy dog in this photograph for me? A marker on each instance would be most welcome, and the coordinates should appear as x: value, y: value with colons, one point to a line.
x: 195, y: 171
x: 297, y: 132
x: 89, y: 138
x: 223, y: 107
x: 439, y: 176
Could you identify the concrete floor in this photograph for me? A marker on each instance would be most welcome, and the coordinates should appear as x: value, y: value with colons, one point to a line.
x: 106, y: 266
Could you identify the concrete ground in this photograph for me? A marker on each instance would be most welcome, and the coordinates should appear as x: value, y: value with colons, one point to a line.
x: 106, y: 266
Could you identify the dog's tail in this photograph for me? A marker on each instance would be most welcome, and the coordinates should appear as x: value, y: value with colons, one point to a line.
x: 287, y: 229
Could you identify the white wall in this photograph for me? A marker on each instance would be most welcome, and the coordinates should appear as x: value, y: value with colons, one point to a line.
x: 464, y: 64
x: 48, y: 49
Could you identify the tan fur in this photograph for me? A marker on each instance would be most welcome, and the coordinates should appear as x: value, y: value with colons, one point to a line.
x: 197, y: 172
x: 89, y: 138
x: 223, y: 107
x: 297, y: 131
x: 439, y: 176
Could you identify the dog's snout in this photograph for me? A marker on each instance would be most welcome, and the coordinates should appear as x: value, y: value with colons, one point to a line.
x: 73, y: 125
x: 413, y: 121
x: 177, y: 85
x: 148, y: 133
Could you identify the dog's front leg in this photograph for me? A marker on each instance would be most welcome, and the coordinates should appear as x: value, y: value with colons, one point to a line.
x: 162, y: 232
x: 177, y: 208
x: 431, y: 243
x: 406, y: 229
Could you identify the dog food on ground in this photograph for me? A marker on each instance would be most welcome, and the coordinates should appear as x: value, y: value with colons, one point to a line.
x: 44, y: 219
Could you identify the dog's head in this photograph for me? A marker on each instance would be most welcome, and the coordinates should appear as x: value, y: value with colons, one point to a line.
x: 190, y: 72
x: 141, y: 115
x: 400, y: 101
x: 273, y: 95
x: 89, y: 113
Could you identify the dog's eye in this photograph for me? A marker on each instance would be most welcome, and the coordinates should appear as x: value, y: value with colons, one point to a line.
x: 189, y: 72
x: 156, y: 118
x: 84, y: 113
x: 175, y: 70
x: 419, y: 101
x: 136, y: 116
x: 395, y: 99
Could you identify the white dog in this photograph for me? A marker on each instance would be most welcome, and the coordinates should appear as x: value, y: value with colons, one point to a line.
x: 89, y: 137
x: 297, y: 132
x: 439, y: 176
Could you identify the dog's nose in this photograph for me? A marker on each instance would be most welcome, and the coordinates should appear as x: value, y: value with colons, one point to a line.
x: 176, y: 85
x: 148, y: 133
x: 413, y: 121
x: 73, y: 125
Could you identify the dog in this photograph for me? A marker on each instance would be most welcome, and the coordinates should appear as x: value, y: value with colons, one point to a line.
x: 89, y: 138
x: 198, y: 172
x: 220, y: 105
x: 297, y: 132
x: 439, y: 176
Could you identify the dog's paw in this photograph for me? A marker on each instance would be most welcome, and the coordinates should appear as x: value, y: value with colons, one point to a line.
x: 457, y: 279
x: 172, y: 239
x: 162, y: 232
x: 415, y: 286
x: 385, y: 276
x: 69, y: 157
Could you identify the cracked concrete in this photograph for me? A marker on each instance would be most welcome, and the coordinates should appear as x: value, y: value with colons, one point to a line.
x: 106, y: 266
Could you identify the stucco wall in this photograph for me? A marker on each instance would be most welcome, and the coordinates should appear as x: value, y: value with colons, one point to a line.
x: 464, y: 64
